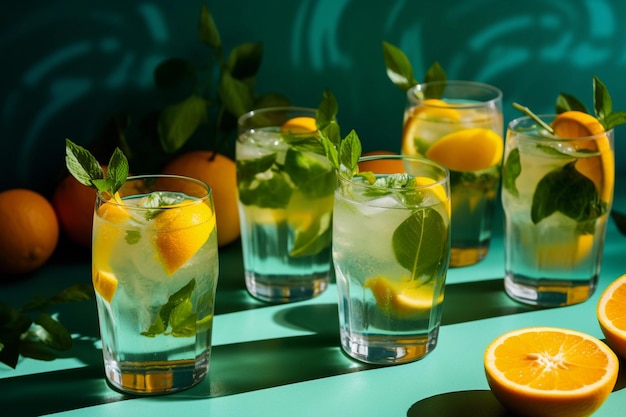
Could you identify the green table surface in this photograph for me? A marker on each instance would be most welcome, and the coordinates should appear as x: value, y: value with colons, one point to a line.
x: 285, y: 360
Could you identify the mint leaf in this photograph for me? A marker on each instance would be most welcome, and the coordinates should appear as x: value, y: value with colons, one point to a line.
x: 248, y: 168
x: 82, y: 164
x: 311, y: 175
x: 510, y: 171
x: 272, y: 191
x: 175, y: 311
x: 567, y: 191
x: 566, y: 102
x: 313, y: 239
x: 349, y: 152
x: 420, y: 244
x: 435, y: 73
x: 399, y: 68
x: 602, y: 103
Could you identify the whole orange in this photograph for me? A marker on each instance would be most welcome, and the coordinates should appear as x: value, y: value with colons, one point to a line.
x: 382, y: 166
x: 29, y: 231
x: 74, y: 204
x: 219, y: 172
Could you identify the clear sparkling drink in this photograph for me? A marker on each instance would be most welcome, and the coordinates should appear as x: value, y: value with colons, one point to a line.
x: 155, y: 269
x: 286, y: 187
x: 459, y: 124
x: 391, y: 248
x: 557, y: 194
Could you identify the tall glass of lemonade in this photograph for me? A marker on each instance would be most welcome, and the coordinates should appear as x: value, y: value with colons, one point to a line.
x: 286, y: 187
x: 391, y: 248
x: 155, y: 268
x: 557, y: 194
x: 459, y: 125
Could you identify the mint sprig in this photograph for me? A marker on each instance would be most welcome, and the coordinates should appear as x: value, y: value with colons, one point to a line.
x: 87, y: 170
x: 401, y: 73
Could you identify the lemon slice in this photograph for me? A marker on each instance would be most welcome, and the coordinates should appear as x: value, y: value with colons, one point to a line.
x: 433, y: 110
x: 402, y: 299
x: 299, y: 125
x: 471, y: 149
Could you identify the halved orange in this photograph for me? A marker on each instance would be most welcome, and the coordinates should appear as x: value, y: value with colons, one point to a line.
x: 601, y: 170
x: 547, y: 371
x: 611, y: 312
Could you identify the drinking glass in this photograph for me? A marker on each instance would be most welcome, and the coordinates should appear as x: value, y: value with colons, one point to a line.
x: 391, y: 248
x: 557, y: 194
x: 286, y: 187
x: 155, y: 268
x: 459, y: 124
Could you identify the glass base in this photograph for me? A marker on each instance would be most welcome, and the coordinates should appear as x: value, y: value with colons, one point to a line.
x: 154, y: 378
x: 467, y: 256
x: 388, y: 349
x: 548, y: 292
x: 285, y: 288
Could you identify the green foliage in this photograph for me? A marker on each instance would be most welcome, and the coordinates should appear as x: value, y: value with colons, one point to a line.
x: 31, y: 332
x: 87, y: 170
x: 401, y: 73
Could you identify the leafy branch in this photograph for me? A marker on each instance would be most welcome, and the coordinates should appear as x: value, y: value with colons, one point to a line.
x: 400, y: 71
x: 214, y: 93
x: 32, y: 332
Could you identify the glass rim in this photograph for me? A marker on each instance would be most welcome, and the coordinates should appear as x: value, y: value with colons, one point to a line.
x: 534, y: 132
x: 477, y: 85
x: 263, y: 110
x: 442, y: 181
x: 105, y: 197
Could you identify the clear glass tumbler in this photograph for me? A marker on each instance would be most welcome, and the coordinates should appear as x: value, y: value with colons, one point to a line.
x: 155, y: 269
x: 557, y: 194
x: 459, y: 124
x: 286, y: 188
x: 391, y: 249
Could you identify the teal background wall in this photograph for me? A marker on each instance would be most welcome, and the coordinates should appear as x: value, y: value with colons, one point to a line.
x: 68, y: 65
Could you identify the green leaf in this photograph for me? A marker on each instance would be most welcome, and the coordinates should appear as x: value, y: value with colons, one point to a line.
x: 132, y: 237
x: 602, y: 103
x: 177, y: 122
x: 208, y: 33
x: 13, y: 323
x: 399, y: 68
x: 330, y: 149
x: 435, y: 73
x: 183, y: 320
x: 421, y: 244
x: 171, y: 310
x: 244, y: 60
x: 326, y: 113
x: 310, y: 175
x: 117, y: 170
x: 314, y: 239
x: 56, y: 336
x: 234, y: 94
x: 566, y: 102
x: 567, y: 191
x: 82, y: 164
x: 614, y: 119
x: 350, y: 152
x: 273, y: 191
x: 511, y: 170
x: 248, y: 168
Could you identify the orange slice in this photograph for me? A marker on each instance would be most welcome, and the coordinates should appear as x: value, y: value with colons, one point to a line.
x: 564, y: 255
x: 601, y: 170
x: 181, y: 232
x: 430, y: 110
x: 546, y: 371
x: 298, y: 125
x: 471, y: 149
x: 611, y: 312
x: 402, y: 299
x: 383, y: 165
x: 104, y: 283
x: 107, y: 233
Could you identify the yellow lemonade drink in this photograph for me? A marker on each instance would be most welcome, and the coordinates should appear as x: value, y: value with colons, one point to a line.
x: 285, y: 187
x: 459, y: 125
x: 391, y: 247
x: 557, y: 194
x: 155, y: 269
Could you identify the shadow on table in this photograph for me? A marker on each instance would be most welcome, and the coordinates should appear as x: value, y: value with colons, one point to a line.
x: 478, y: 403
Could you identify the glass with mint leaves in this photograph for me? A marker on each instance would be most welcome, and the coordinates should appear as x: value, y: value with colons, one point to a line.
x: 154, y: 271
x: 557, y: 192
x: 285, y: 185
x: 391, y: 251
